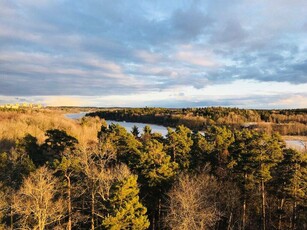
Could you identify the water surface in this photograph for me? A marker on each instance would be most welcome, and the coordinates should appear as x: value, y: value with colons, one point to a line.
x: 295, y: 144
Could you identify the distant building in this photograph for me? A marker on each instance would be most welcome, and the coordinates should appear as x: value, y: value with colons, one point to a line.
x: 21, y: 106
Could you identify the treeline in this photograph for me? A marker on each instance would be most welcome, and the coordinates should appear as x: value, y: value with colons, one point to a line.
x: 286, y: 122
x: 222, y: 179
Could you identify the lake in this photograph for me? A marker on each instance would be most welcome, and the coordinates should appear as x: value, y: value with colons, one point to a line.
x: 295, y: 144
x: 128, y: 125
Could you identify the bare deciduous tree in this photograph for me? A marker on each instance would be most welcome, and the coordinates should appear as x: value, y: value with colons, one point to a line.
x: 192, y: 203
x: 37, y: 202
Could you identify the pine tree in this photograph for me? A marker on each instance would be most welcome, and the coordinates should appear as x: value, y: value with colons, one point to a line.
x: 220, y: 139
x: 200, y: 151
x: 253, y: 155
x: 242, y: 166
x: 156, y: 172
x: 155, y: 166
x: 135, y: 131
x: 290, y: 184
x: 124, y: 208
x: 179, y: 143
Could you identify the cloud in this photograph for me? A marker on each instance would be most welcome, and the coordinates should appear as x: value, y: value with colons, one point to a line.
x: 102, y: 48
x: 190, y: 23
x: 298, y: 101
x: 195, y: 57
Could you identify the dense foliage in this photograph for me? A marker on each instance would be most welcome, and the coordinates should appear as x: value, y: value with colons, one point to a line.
x: 222, y: 178
x: 286, y: 122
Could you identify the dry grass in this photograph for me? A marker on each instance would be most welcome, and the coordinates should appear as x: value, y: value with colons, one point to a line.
x: 16, y: 124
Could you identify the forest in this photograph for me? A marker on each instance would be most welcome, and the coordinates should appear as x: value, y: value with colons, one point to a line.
x: 59, y: 173
x: 286, y: 122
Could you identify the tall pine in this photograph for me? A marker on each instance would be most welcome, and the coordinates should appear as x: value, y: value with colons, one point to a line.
x: 125, y: 211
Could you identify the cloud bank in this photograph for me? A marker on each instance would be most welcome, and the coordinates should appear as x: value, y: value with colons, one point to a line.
x: 102, y: 49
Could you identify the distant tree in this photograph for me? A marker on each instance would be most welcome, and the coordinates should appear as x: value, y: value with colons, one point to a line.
x: 124, y: 208
x: 147, y: 134
x: 135, y: 131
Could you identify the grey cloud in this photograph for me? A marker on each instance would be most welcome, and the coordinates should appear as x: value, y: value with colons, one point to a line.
x: 231, y: 32
x: 68, y: 45
x: 190, y: 23
x: 249, y: 102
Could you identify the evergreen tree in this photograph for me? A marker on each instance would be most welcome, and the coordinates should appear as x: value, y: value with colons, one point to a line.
x: 58, y: 144
x: 200, y: 151
x: 115, y: 140
x: 242, y: 166
x: 124, y: 208
x: 220, y: 139
x: 252, y: 158
x: 135, y: 131
x: 156, y: 172
x: 179, y: 144
x: 155, y: 166
x: 290, y: 185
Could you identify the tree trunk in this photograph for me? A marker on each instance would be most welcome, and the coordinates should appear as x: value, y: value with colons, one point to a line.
x: 280, y: 214
x: 263, y: 219
x: 244, y: 204
x: 229, y: 221
x: 93, y: 211
x: 294, y: 215
x: 68, y: 201
x: 159, y: 214
x: 11, y: 218
x: 153, y: 222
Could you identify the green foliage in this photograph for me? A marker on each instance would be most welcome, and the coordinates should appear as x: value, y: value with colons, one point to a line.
x: 291, y: 176
x: 287, y: 122
x: 246, y: 162
x: 58, y: 142
x: 135, y: 131
x: 125, y: 210
x: 179, y: 144
x: 200, y: 151
x: 116, y: 140
x: 253, y: 155
x: 29, y: 145
x: 155, y: 166
x: 14, y: 166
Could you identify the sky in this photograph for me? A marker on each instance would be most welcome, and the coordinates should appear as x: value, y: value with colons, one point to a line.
x: 175, y: 53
